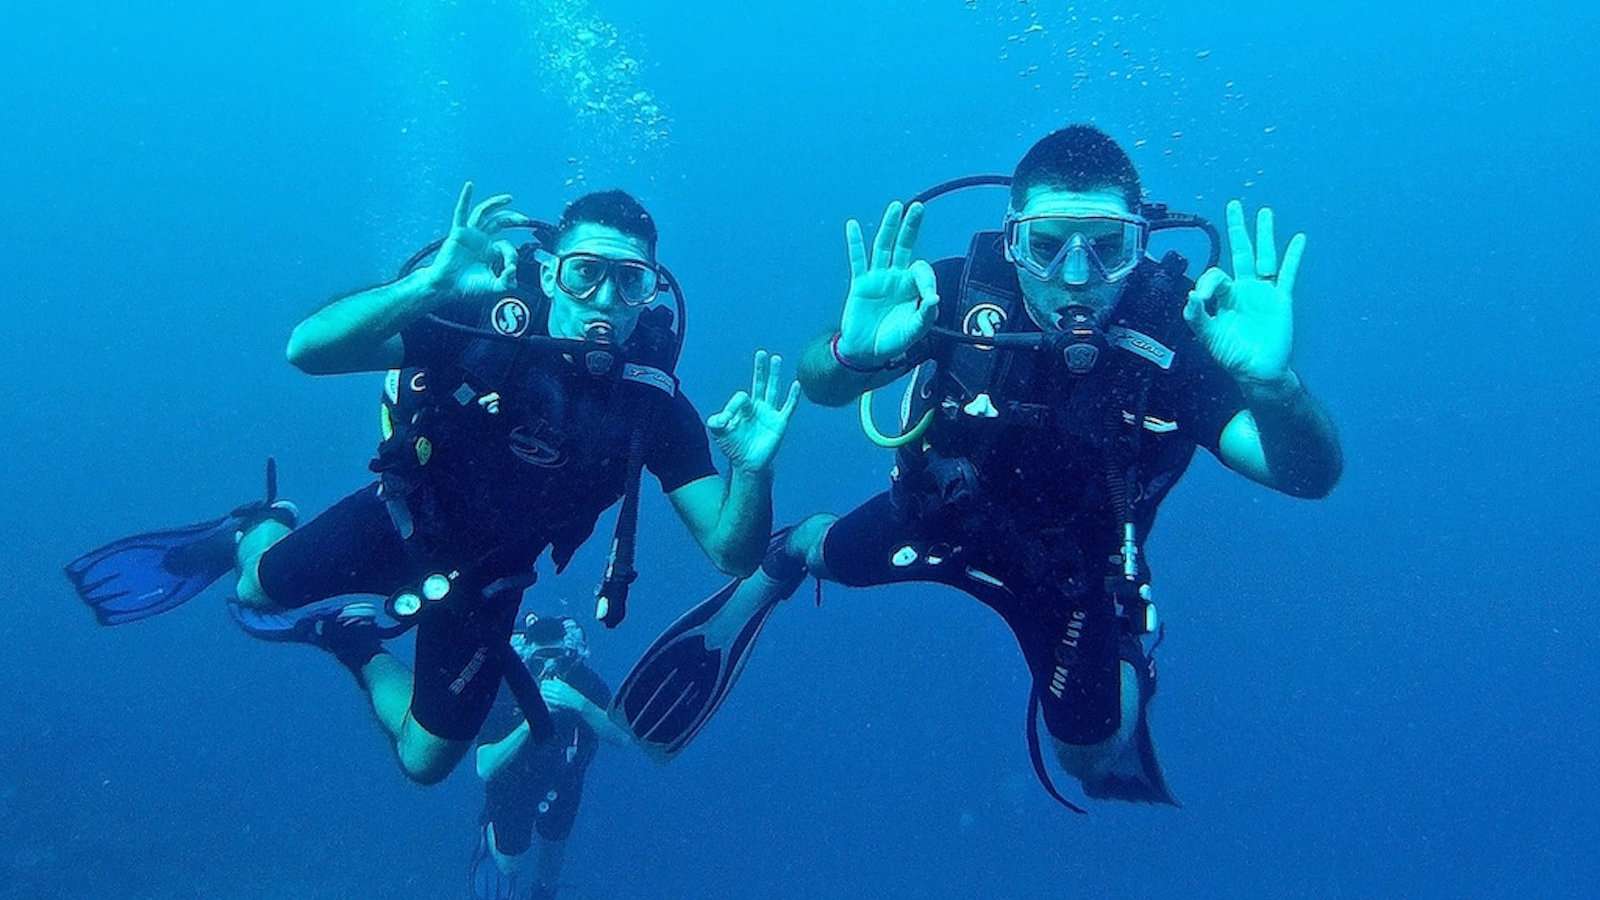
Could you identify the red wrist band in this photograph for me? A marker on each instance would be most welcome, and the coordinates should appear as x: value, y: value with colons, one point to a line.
x: 839, y: 358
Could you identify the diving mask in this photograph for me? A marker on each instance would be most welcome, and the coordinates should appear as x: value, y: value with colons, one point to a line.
x: 581, y: 274
x: 550, y: 645
x: 1076, y: 243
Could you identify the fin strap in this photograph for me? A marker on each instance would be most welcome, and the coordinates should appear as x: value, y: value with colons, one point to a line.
x: 1036, y: 755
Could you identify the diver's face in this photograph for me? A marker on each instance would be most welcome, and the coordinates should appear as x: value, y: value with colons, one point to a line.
x: 572, y: 317
x: 1047, y: 299
x: 535, y: 655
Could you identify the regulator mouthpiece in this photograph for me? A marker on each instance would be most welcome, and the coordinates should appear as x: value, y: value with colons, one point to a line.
x: 1083, y: 342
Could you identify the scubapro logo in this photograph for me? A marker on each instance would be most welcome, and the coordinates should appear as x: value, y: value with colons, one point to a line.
x: 533, y: 446
x: 511, y: 317
x: 983, y: 320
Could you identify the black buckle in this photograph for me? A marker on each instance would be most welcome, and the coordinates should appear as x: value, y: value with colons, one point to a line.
x: 1132, y: 602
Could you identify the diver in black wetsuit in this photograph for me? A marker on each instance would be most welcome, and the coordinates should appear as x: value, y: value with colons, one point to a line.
x: 532, y: 788
x: 1063, y: 381
x: 527, y: 389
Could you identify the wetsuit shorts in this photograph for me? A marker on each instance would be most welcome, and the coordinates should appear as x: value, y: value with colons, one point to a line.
x: 516, y: 811
x: 353, y: 548
x: 1070, y: 638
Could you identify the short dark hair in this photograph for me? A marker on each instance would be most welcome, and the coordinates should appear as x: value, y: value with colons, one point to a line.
x: 1077, y: 158
x: 613, y: 209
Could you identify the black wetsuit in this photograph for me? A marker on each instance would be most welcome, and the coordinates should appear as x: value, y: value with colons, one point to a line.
x: 553, y: 451
x: 1034, y: 543
x: 542, y: 785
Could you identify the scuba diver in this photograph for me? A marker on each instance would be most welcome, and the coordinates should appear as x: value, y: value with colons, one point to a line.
x: 531, y: 786
x: 528, y: 387
x: 1063, y: 379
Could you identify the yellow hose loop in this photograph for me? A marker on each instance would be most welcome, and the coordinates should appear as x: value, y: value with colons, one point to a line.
x: 870, y: 428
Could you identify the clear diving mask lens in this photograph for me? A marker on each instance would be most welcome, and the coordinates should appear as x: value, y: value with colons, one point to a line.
x: 1076, y: 247
x: 581, y: 274
x: 550, y: 645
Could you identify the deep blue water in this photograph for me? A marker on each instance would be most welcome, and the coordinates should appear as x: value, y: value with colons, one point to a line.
x: 1389, y: 693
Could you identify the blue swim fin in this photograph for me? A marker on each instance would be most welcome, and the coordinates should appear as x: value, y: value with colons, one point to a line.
x: 147, y: 574
x: 315, y: 623
x: 677, y: 685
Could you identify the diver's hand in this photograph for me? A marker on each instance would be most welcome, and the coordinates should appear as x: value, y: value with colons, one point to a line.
x: 558, y: 694
x: 751, y: 427
x: 893, y: 299
x: 471, y: 264
x: 1247, y: 321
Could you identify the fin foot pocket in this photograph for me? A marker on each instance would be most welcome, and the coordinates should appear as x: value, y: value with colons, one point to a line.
x: 319, y: 624
x: 148, y: 574
x: 687, y: 673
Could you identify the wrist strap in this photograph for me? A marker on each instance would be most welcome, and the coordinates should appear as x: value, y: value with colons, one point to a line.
x: 854, y: 367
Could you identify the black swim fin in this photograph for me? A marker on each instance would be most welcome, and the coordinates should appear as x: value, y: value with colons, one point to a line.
x: 1136, y: 775
x: 148, y: 574
x: 677, y: 685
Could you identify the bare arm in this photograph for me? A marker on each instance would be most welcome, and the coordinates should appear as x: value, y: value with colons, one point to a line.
x: 892, y: 302
x: 560, y: 695
x: 361, y: 332
x: 1283, y: 438
x: 828, y: 383
x: 492, y: 759
x: 607, y: 730
x: 732, y: 523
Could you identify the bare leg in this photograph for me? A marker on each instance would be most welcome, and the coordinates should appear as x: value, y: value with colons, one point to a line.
x: 805, y: 542
x: 508, y: 865
x: 255, y: 542
x: 425, y: 758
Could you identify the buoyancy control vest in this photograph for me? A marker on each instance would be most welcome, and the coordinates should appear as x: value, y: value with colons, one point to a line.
x: 970, y: 407
x: 984, y: 407
x: 508, y: 406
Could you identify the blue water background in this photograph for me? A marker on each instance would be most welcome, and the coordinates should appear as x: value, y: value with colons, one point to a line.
x: 1390, y: 693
